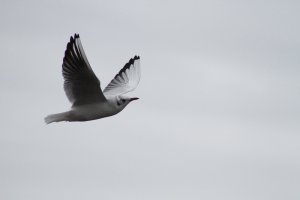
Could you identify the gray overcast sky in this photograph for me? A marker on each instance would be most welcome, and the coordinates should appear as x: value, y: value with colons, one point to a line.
x: 219, y: 109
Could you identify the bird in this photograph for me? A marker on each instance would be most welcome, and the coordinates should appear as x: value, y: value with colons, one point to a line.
x: 82, y: 87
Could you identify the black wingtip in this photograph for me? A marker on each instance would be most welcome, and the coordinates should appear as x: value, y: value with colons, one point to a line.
x: 128, y: 64
x: 73, y: 38
x: 131, y: 61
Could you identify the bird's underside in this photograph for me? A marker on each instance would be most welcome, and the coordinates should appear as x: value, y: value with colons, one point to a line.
x: 82, y: 87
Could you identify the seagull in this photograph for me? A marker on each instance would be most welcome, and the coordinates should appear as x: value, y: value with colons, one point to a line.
x: 82, y: 87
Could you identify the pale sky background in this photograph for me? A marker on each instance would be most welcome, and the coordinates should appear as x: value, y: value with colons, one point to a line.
x: 219, y: 109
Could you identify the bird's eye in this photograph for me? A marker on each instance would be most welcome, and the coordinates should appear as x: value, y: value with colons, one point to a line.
x: 123, y: 100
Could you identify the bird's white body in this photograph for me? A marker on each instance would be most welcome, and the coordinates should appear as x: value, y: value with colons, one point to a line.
x: 83, y: 89
x: 87, y: 112
x: 93, y: 111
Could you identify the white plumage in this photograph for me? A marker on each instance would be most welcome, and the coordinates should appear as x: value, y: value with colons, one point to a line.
x: 83, y: 89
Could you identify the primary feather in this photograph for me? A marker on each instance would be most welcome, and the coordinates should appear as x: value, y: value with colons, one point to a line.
x: 80, y: 83
x: 126, y: 80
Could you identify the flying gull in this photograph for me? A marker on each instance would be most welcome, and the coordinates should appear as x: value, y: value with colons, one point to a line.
x: 83, y: 90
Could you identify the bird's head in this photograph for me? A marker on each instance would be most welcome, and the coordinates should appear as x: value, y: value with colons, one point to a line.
x: 122, y: 101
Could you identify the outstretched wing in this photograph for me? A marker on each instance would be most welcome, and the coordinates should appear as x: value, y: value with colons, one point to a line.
x: 126, y: 80
x: 80, y: 83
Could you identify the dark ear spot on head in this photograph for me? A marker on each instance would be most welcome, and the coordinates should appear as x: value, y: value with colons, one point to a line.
x: 121, y: 102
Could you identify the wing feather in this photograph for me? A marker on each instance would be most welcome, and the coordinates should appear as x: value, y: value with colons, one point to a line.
x: 126, y: 80
x: 80, y: 83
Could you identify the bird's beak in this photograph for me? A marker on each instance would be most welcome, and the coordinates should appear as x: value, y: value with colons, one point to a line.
x: 134, y: 98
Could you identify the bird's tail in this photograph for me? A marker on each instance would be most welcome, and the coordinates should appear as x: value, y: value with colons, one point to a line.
x: 56, y: 117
